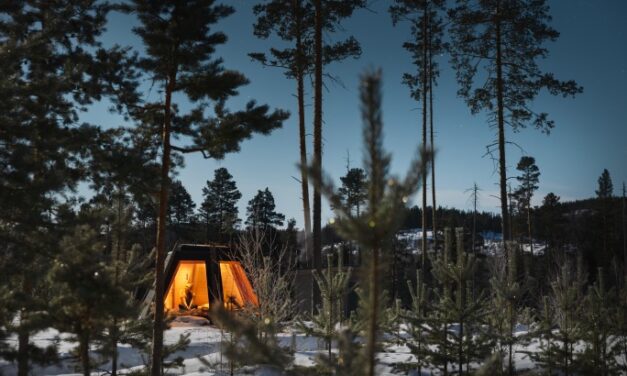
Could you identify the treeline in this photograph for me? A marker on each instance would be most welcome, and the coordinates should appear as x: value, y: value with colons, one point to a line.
x: 216, y: 219
x: 452, y: 217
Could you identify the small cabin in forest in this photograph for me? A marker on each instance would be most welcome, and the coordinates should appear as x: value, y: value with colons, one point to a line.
x: 197, y: 275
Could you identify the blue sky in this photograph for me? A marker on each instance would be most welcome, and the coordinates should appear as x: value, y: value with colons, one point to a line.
x: 590, y: 132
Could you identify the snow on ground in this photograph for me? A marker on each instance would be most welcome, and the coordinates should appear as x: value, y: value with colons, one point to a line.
x: 206, y: 343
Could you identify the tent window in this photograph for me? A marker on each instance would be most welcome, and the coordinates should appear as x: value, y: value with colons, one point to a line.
x: 236, y: 289
x: 188, y: 288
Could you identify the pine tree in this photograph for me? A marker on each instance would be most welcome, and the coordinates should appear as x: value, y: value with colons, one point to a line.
x: 416, y: 319
x: 544, y: 333
x: 425, y: 17
x: 474, y: 198
x: 353, y: 189
x: 550, y: 218
x: 86, y: 292
x: 495, y: 47
x: 261, y: 211
x: 375, y: 229
x: 605, y: 192
x: 621, y: 330
x: 528, y: 185
x: 53, y: 67
x: 129, y: 269
x: 181, y: 206
x: 328, y: 14
x: 507, y: 292
x: 293, y: 21
x: 180, y: 45
x: 219, y: 207
x: 333, y: 288
x: 606, y: 188
x: 567, y: 301
x: 452, y: 325
x: 599, y: 356
x: 550, y: 228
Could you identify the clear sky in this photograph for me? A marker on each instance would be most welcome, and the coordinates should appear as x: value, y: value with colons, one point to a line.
x: 590, y: 132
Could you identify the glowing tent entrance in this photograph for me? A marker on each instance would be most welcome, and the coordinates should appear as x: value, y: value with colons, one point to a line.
x: 197, y: 276
x: 189, y: 290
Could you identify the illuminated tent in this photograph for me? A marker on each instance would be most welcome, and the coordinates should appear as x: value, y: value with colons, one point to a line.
x: 198, y: 275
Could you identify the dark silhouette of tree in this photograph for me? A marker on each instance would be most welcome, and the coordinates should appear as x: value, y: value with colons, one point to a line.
x: 261, y: 211
x: 528, y: 185
x: 624, y: 232
x: 52, y: 68
x: 474, y: 198
x: 293, y: 21
x: 90, y: 292
x: 179, y: 59
x: 353, y: 193
x: 605, y: 192
x: 605, y: 187
x: 181, y: 206
x: 550, y: 223
x: 328, y: 15
x: 496, y: 47
x: 219, y: 208
x: 426, y: 23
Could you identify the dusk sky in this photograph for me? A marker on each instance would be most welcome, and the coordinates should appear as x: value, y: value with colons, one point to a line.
x: 590, y: 132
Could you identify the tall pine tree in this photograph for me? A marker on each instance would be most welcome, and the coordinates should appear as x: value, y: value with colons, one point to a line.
x: 293, y: 22
x: 179, y: 59
x: 528, y: 185
x: 53, y: 67
x: 425, y: 18
x: 496, y: 46
x: 328, y: 16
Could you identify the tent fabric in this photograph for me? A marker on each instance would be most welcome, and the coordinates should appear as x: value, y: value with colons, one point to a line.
x: 236, y: 288
x: 192, y: 274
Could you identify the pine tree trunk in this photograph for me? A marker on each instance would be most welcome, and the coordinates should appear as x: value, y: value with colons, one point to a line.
x: 460, y: 349
x: 432, y: 146
x: 474, y: 232
x: 23, y: 343
x: 23, y: 335
x: 529, y: 225
x: 624, y: 240
x: 371, y: 341
x: 317, y: 200
x: 302, y: 132
x: 423, y: 243
x: 84, y: 353
x: 510, y: 344
x: 113, y: 332
x: 157, y: 333
x: 501, y: 128
x: 474, y: 219
x: 434, y: 211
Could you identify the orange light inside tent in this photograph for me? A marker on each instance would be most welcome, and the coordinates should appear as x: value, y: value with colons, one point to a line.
x: 188, y: 272
x: 237, y: 291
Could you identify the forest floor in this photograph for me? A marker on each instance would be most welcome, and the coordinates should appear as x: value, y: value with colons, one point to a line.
x: 203, y: 355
